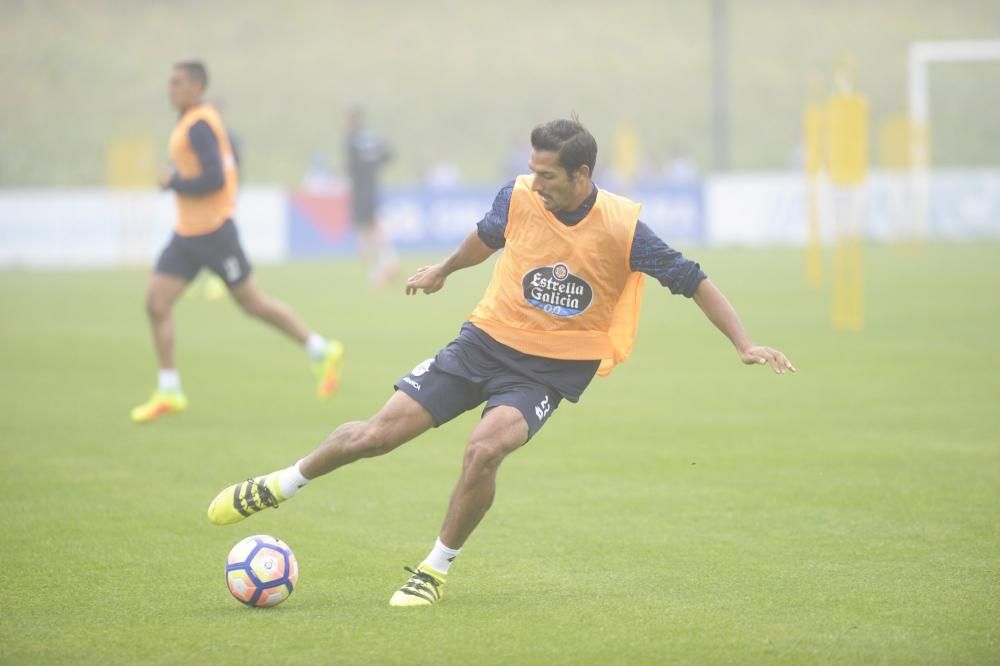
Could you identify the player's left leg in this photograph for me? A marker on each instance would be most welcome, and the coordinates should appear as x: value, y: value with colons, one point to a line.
x: 501, y: 432
x: 257, y: 304
x: 326, y: 356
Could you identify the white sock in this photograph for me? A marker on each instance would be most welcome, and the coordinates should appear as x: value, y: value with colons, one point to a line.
x: 316, y: 346
x: 169, y: 380
x: 441, y: 557
x: 290, y: 480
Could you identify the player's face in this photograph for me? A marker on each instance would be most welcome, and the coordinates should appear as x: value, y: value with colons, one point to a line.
x: 559, y: 190
x: 183, y: 90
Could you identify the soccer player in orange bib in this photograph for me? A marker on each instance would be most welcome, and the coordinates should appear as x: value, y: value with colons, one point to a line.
x: 562, y: 306
x: 204, y: 178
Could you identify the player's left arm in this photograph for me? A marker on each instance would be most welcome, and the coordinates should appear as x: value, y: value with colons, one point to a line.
x: 721, y: 313
x: 650, y: 255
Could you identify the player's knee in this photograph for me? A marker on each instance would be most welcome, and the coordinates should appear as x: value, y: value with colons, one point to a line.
x: 484, y: 454
x: 253, y: 306
x: 156, y: 307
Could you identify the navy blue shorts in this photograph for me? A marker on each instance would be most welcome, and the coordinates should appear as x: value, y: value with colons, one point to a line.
x: 461, y: 377
x: 219, y: 251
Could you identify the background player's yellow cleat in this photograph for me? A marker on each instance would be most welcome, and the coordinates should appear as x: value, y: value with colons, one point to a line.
x: 242, y: 500
x: 424, y: 588
x: 328, y: 370
x: 214, y: 288
x: 162, y: 402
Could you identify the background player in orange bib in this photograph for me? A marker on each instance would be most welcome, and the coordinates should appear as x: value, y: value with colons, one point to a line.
x: 561, y: 307
x: 204, y: 178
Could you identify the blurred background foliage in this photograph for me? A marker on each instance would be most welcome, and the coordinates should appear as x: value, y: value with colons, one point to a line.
x: 463, y: 82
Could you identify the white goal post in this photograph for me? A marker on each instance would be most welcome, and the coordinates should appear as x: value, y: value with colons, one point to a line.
x: 921, y: 55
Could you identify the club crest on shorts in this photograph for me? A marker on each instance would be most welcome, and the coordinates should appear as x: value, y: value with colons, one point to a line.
x: 555, y: 290
x: 422, y: 368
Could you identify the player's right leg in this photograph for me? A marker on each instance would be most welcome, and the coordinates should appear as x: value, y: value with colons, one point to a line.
x: 502, y: 430
x: 516, y: 409
x: 401, y: 419
x: 366, y: 241
x: 163, y: 291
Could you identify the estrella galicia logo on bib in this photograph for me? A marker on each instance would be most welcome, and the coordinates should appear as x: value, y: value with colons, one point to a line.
x: 555, y: 290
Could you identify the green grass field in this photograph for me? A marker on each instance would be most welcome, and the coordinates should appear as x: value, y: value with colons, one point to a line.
x: 688, y: 510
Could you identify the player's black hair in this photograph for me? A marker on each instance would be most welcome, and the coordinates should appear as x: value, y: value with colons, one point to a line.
x: 195, y: 69
x: 575, y: 145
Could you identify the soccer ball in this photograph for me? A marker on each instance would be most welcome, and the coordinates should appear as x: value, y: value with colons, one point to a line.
x: 261, y: 571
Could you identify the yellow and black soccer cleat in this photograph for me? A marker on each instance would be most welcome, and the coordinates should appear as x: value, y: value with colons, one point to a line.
x: 242, y: 500
x: 424, y: 588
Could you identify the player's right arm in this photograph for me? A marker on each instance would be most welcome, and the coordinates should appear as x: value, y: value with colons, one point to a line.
x: 429, y: 279
x: 475, y: 249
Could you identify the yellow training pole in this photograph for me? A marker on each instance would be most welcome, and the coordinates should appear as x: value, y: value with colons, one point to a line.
x: 625, y: 159
x: 813, y: 125
x: 847, y: 155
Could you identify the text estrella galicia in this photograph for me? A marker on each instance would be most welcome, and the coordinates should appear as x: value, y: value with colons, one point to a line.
x: 555, y: 290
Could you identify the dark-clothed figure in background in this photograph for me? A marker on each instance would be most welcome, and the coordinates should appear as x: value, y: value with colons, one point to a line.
x: 367, y: 153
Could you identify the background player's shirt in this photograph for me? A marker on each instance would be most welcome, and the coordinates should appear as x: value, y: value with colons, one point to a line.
x: 366, y: 153
x: 205, y: 178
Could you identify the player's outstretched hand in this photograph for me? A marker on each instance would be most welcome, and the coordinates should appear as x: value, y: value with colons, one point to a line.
x: 759, y: 355
x: 427, y: 279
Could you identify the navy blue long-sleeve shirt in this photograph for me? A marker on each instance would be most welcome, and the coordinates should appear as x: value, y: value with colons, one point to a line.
x: 650, y: 255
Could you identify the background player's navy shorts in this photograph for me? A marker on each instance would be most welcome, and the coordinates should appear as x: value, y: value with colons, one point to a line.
x: 363, y: 217
x: 462, y: 376
x: 219, y: 251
